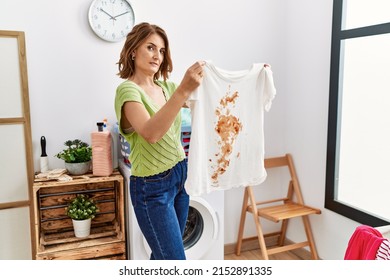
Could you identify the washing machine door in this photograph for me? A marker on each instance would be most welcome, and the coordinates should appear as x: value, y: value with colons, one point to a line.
x: 201, y: 229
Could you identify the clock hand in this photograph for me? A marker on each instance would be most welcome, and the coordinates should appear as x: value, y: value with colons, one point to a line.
x: 111, y: 17
x: 121, y: 14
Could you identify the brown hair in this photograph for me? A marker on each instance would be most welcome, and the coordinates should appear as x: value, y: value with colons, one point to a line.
x: 134, y: 39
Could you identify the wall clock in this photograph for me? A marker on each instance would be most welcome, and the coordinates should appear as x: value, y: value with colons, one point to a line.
x: 111, y: 20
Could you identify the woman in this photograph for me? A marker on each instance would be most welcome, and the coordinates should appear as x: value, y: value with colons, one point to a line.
x: 148, y: 107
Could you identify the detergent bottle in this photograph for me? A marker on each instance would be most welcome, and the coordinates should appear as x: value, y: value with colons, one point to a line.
x: 101, y: 151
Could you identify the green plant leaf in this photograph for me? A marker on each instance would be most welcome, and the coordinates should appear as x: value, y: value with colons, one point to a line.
x: 76, y: 151
x: 81, y: 208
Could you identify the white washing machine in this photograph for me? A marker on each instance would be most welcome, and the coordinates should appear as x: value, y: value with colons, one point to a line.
x: 203, y: 235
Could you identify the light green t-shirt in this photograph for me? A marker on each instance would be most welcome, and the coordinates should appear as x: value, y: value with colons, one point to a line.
x: 150, y: 159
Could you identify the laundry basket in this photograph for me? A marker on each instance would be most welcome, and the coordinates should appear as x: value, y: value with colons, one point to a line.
x: 124, y: 150
x: 185, y: 138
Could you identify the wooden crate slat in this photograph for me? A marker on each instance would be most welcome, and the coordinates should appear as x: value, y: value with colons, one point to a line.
x: 47, y: 189
x: 59, y: 199
x: 106, y: 210
x: 115, y: 250
x: 68, y: 236
x: 86, y: 243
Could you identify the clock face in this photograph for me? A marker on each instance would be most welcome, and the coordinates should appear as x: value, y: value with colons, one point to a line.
x: 111, y: 20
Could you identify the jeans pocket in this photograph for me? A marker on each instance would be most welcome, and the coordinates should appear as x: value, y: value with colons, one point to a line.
x: 159, y: 177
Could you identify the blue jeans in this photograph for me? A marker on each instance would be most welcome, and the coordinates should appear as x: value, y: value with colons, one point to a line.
x: 161, y: 205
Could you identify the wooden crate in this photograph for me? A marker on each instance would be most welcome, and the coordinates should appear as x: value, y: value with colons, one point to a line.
x: 55, y: 238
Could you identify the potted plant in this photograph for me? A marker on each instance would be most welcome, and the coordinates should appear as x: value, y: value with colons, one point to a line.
x: 77, y: 156
x: 82, y: 209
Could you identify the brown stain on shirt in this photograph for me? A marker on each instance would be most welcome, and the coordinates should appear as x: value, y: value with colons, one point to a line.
x: 227, y: 127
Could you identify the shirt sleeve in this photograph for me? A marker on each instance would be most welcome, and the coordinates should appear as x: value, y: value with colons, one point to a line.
x: 124, y: 93
x: 269, y: 88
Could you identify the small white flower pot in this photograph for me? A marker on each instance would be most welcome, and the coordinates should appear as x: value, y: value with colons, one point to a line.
x: 82, y: 228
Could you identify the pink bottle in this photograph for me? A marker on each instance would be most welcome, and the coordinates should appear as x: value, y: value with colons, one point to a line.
x: 101, y: 152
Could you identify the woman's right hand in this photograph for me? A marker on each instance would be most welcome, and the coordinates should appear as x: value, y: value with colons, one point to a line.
x: 192, y: 78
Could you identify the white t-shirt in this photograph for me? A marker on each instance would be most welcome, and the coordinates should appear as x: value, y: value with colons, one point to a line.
x: 227, y: 135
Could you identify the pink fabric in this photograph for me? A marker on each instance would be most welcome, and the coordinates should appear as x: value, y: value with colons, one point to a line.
x: 364, y: 244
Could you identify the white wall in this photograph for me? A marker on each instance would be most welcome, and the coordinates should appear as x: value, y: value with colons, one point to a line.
x: 306, y: 106
x: 72, y: 79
